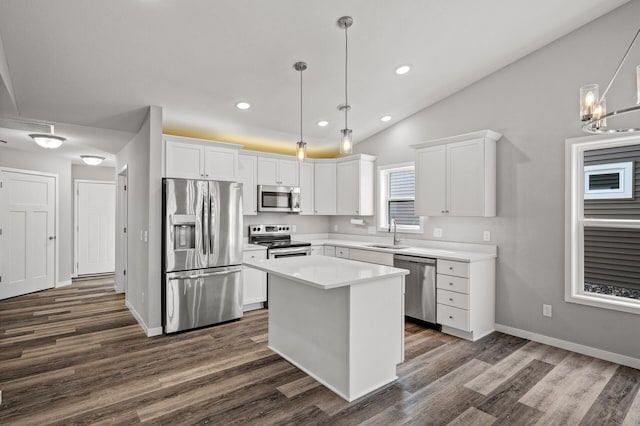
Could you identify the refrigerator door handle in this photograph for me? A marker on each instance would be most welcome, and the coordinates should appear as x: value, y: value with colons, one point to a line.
x: 212, y: 210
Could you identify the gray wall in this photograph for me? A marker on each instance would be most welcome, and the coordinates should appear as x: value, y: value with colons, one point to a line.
x: 48, y: 163
x: 534, y: 104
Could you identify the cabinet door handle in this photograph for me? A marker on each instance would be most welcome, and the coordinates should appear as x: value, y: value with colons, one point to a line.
x: 450, y: 316
x: 451, y: 268
x: 451, y: 299
x: 442, y: 211
x: 450, y: 283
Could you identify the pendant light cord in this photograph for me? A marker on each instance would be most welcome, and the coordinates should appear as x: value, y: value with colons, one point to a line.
x: 300, y: 105
x: 346, y: 59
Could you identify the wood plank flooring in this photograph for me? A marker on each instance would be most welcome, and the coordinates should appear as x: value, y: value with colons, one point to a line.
x: 75, y: 355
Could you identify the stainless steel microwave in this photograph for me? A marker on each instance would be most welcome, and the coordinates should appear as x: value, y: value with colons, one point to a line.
x: 280, y: 199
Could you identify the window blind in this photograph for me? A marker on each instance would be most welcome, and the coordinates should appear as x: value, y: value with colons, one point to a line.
x: 401, y: 205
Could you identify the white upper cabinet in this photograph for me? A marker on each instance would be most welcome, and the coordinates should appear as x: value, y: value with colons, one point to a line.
x: 247, y: 175
x: 184, y: 160
x: 275, y: 171
x: 306, y: 188
x: 324, y: 193
x: 355, y: 186
x: 189, y: 158
x: 456, y: 176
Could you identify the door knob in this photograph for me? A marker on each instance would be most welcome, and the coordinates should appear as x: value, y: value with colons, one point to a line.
x: 52, y: 238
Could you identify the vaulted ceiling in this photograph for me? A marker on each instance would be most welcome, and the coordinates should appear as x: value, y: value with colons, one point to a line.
x: 97, y: 64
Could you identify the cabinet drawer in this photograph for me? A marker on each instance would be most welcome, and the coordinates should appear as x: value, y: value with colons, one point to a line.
x: 254, y: 255
x: 317, y: 250
x: 342, y: 252
x: 371, y: 257
x: 450, y: 267
x: 451, y: 298
x: 448, y: 282
x: 453, y: 317
x: 330, y: 251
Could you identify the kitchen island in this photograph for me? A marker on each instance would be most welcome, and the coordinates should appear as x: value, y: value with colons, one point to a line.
x: 340, y: 321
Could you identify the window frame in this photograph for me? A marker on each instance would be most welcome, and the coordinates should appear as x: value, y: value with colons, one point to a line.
x: 575, y: 223
x: 382, y: 192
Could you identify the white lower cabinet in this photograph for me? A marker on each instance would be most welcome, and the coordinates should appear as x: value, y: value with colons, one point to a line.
x: 342, y: 252
x: 371, y: 256
x: 466, y: 297
x: 317, y: 250
x: 254, y: 282
x: 330, y: 251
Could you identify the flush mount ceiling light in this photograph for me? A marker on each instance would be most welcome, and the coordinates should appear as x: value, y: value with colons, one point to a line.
x: 243, y: 105
x: 385, y: 118
x: 322, y: 123
x: 92, y: 160
x: 346, y: 141
x: 301, y: 146
x: 403, y: 69
x: 47, y: 141
x: 593, y: 108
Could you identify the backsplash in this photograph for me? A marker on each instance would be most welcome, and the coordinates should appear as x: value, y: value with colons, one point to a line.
x: 303, y: 224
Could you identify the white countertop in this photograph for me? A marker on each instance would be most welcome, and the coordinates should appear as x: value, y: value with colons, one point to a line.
x: 252, y: 247
x: 440, y: 253
x: 325, y: 272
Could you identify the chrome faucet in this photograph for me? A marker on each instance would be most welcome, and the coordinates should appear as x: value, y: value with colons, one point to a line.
x: 396, y: 240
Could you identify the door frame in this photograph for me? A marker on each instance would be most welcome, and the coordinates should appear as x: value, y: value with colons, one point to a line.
x: 122, y: 220
x: 76, y: 207
x: 56, y: 207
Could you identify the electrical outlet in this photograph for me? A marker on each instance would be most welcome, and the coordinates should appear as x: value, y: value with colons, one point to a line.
x: 141, y: 235
x: 371, y: 230
x: 486, y: 235
x: 437, y: 232
x: 546, y: 311
x: 146, y: 236
x: 335, y: 228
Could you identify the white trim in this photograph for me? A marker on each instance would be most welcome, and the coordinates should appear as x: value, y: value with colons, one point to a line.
x: 63, y: 283
x: 150, y: 332
x: 571, y: 346
x: 56, y: 250
x: 575, y: 222
x: 624, y: 170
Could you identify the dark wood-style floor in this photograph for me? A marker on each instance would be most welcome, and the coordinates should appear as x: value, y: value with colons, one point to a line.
x: 75, y: 355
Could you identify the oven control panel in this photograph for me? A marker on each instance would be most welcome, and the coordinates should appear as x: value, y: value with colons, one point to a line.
x: 269, y: 229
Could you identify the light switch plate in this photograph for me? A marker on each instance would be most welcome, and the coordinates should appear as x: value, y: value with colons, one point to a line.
x: 486, y: 235
x: 335, y: 228
x: 546, y: 311
x: 437, y: 232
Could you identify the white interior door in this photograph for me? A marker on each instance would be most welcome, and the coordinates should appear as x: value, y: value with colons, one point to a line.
x: 96, y: 227
x: 27, y: 242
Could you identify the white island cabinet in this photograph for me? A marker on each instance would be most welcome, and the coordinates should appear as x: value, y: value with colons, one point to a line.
x: 338, y: 320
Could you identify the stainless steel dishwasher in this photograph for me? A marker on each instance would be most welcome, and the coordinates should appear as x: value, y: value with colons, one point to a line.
x: 420, y: 289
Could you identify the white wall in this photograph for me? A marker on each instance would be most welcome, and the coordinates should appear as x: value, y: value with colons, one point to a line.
x: 534, y: 103
x: 47, y: 162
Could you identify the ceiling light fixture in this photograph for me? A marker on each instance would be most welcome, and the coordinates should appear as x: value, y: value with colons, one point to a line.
x: 593, y: 108
x: 301, y: 146
x: 385, y: 118
x: 322, y: 123
x: 243, y: 105
x: 92, y: 160
x: 346, y: 139
x: 403, y: 69
x: 47, y: 141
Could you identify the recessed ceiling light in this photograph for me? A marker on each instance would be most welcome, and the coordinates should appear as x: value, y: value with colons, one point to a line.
x: 92, y: 160
x: 403, y: 69
x: 243, y: 105
x: 385, y: 118
x: 322, y: 123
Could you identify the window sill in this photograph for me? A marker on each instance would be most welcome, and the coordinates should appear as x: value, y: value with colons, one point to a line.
x: 605, y: 302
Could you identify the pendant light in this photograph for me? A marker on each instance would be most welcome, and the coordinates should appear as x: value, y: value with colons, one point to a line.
x: 48, y: 141
x: 346, y: 141
x: 593, y: 108
x: 301, y: 146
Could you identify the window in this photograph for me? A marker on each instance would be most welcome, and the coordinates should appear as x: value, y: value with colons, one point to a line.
x: 603, y: 223
x: 396, y: 200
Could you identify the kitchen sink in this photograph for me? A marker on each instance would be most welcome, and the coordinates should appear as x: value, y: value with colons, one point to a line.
x: 388, y: 246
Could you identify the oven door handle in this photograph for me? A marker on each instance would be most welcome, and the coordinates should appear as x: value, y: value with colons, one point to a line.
x: 289, y: 251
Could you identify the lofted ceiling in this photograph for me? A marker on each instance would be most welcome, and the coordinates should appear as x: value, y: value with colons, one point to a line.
x: 97, y: 64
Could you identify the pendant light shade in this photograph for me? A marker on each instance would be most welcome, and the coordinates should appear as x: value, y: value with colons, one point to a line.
x: 346, y: 139
x: 301, y: 145
x: 48, y: 141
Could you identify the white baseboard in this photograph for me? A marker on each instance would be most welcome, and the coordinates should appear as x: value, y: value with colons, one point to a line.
x: 150, y: 332
x: 63, y: 283
x: 570, y: 346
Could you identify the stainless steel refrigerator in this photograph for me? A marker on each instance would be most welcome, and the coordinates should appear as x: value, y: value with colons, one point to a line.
x: 202, y: 253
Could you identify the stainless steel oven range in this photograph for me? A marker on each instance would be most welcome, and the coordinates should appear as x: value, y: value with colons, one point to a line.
x: 277, y: 239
